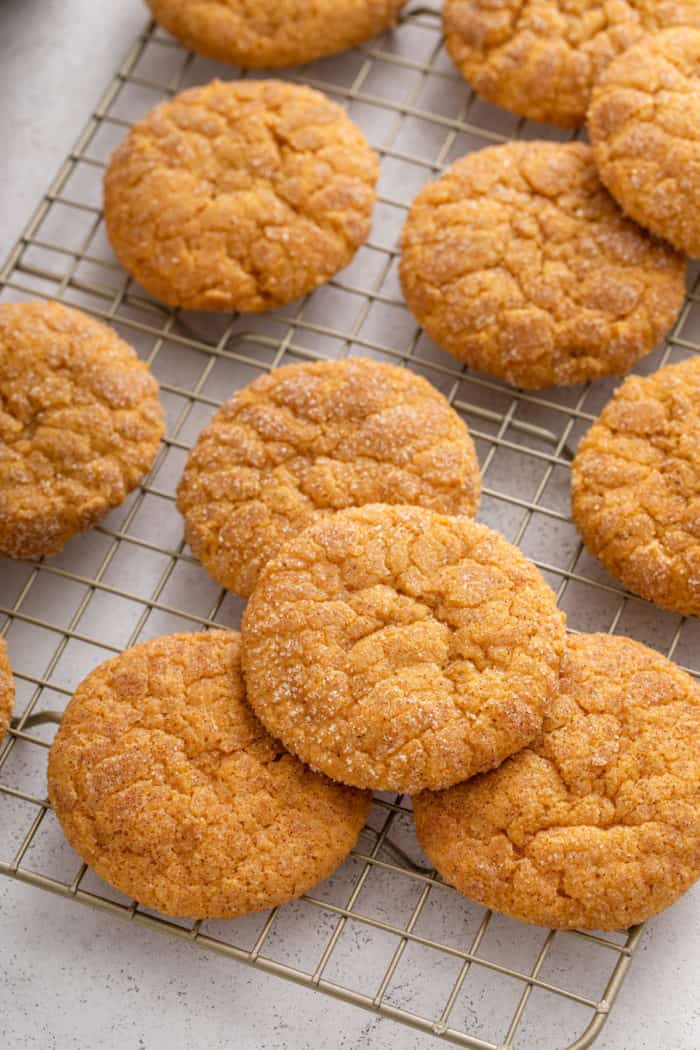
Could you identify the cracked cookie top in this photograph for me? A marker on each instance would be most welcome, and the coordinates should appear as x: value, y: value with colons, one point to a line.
x: 644, y: 125
x: 313, y: 438
x: 541, y: 58
x: 240, y: 196
x: 266, y: 34
x: 80, y: 425
x: 596, y: 826
x: 636, y: 486
x: 166, y: 784
x: 518, y: 261
x: 7, y: 689
x: 398, y: 649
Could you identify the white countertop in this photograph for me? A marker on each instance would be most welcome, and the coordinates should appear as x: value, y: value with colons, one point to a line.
x: 75, y: 978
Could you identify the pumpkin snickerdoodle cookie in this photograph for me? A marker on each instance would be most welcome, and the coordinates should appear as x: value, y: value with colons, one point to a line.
x: 313, y: 438
x: 240, y: 196
x: 7, y: 690
x: 80, y: 424
x: 167, y: 785
x: 636, y: 486
x: 518, y: 261
x: 397, y: 648
x: 597, y: 825
x: 541, y: 58
x: 644, y: 125
x: 264, y: 34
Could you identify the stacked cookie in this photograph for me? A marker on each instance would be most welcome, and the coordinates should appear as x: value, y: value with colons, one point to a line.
x: 527, y: 262
x: 518, y: 260
x: 390, y: 643
x: 395, y: 646
x: 161, y: 774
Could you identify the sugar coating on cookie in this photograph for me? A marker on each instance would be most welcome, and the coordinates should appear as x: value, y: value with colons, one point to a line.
x: 167, y: 785
x: 398, y: 649
x: 636, y: 486
x: 518, y: 261
x: 541, y: 58
x: 80, y: 424
x: 265, y: 34
x: 597, y: 826
x: 7, y: 689
x: 309, y: 439
x: 240, y: 196
x: 644, y: 125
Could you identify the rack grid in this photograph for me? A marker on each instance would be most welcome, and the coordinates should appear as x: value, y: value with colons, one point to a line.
x: 384, y: 932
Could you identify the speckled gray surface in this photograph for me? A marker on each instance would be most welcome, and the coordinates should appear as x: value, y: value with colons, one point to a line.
x: 75, y: 978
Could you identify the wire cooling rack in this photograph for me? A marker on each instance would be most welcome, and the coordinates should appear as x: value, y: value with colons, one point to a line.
x: 383, y: 932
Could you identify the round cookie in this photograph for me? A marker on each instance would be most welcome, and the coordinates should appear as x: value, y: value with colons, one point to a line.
x: 80, y: 425
x: 398, y: 649
x: 167, y: 785
x: 313, y: 438
x: 644, y: 125
x: 519, y: 262
x: 597, y: 826
x: 240, y: 196
x: 636, y: 486
x: 541, y: 58
x: 267, y: 34
x: 7, y: 690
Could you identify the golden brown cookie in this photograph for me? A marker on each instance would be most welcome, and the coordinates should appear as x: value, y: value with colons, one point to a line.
x: 397, y: 648
x: 519, y: 262
x: 266, y: 34
x: 644, y: 125
x: 312, y: 438
x: 596, y: 826
x: 80, y: 424
x: 167, y: 785
x: 541, y: 58
x: 240, y: 196
x: 636, y: 486
x: 7, y: 690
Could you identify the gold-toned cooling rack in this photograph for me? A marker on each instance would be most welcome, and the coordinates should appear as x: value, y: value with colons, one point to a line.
x: 384, y: 932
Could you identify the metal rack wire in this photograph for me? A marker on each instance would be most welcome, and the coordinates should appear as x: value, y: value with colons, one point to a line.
x: 384, y: 932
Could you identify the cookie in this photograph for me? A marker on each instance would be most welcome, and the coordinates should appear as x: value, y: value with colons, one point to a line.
x: 80, y: 425
x: 7, y: 690
x: 268, y: 34
x: 240, y: 196
x: 309, y: 439
x: 597, y: 826
x: 636, y: 487
x: 644, y: 125
x: 541, y: 58
x: 168, y: 786
x: 519, y: 262
x: 398, y: 649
